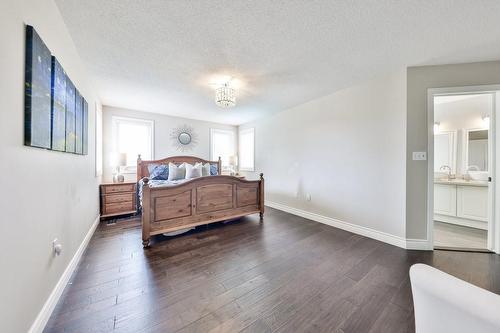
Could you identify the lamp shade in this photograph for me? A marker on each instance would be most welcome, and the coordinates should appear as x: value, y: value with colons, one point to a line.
x: 122, y: 159
x: 118, y: 159
x: 233, y: 160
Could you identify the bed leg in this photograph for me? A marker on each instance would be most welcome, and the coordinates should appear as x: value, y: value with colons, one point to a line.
x: 261, y: 197
x: 146, y: 211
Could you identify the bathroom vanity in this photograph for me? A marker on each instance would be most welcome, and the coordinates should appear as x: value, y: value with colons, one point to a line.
x: 461, y: 202
x: 461, y: 177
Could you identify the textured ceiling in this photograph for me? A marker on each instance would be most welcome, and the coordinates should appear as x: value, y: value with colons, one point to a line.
x: 160, y: 55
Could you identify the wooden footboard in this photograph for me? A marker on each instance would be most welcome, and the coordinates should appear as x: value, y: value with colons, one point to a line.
x: 199, y: 201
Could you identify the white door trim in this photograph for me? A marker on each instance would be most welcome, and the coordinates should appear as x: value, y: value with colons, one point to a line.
x: 494, y: 219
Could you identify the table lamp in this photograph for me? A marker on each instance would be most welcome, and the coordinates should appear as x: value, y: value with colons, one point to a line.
x: 120, y: 161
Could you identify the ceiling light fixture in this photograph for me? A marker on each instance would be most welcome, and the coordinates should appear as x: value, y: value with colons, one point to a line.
x: 225, y: 96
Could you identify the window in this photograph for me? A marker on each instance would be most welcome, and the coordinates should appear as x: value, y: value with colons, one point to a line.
x: 133, y: 137
x: 98, y: 140
x: 222, y: 143
x: 247, y: 149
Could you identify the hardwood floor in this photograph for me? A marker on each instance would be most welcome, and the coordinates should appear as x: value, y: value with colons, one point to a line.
x: 287, y: 274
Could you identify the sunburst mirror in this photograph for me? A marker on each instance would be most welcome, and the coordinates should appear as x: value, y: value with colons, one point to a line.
x: 184, y: 138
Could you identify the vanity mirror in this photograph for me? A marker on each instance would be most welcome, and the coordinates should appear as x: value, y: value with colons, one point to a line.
x: 445, y: 151
x: 476, y: 149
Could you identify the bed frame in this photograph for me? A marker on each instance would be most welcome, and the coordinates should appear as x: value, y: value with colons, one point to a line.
x: 196, y: 202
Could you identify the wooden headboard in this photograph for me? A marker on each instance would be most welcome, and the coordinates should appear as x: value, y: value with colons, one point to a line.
x: 142, y: 166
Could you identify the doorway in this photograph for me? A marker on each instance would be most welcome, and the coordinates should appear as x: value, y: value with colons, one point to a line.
x: 460, y: 169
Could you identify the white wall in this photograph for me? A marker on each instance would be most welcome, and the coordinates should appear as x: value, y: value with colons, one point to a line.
x: 45, y: 194
x: 163, y: 125
x: 464, y: 113
x: 347, y: 150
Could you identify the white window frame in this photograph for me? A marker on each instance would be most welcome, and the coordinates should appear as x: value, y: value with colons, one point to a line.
x: 98, y: 140
x: 131, y: 169
x: 240, y: 133
x: 225, y: 131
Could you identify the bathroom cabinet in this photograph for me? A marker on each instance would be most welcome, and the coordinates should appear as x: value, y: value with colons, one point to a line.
x: 460, y: 204
x: 445, y: 199
x: 472, y: 202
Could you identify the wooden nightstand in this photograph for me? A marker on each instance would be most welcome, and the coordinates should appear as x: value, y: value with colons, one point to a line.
x: 118, y: 199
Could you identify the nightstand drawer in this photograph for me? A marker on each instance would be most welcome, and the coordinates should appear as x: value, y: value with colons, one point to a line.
x: 121, y: 207
x: 118, y: 188
x: 118, y: 198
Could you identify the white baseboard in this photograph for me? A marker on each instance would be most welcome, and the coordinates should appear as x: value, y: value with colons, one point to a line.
x: 44, y: 315
x: 418, y: 244
x: 357, y: 229
x: 483, y: 225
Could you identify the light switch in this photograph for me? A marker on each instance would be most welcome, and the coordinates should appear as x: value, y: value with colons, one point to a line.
x: 419, y: 155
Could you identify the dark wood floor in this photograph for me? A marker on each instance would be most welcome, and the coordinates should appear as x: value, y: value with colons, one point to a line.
x: 288, y: 274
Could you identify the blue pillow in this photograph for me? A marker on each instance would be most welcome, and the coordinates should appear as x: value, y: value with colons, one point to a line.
x: 160, y: 172
x: 151, y: 167
x: 214, y: 169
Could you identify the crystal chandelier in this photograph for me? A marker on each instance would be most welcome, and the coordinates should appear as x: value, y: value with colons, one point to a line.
x: 225, y: 96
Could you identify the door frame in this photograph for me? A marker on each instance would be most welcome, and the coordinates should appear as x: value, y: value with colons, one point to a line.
x: 493, y: 243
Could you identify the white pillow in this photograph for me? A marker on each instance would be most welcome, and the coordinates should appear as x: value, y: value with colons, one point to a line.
x: 205, y: 168
x: 176, y: 172
x: 193, y: 171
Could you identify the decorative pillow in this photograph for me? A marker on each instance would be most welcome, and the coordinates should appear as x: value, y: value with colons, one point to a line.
x: 151, y: 167
x: 193, y: 171
x: 214, y: 169
x: 205, y: 168
x: 159, y: 172
x: 176, y: 172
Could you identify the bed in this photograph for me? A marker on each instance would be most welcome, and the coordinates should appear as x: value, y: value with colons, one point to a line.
x: 171, y: 206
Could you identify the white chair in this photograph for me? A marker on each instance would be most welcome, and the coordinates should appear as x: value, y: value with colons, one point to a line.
x: 444, y: 304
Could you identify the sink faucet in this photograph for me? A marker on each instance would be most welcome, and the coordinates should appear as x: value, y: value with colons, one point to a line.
x: 446, y: 167
x: 467, y: 171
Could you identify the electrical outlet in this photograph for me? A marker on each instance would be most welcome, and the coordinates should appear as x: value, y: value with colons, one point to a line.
x: 56, y: 247
x: 419, y: 155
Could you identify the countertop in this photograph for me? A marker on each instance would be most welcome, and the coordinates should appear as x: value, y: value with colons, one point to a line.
x: 463, y: 182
